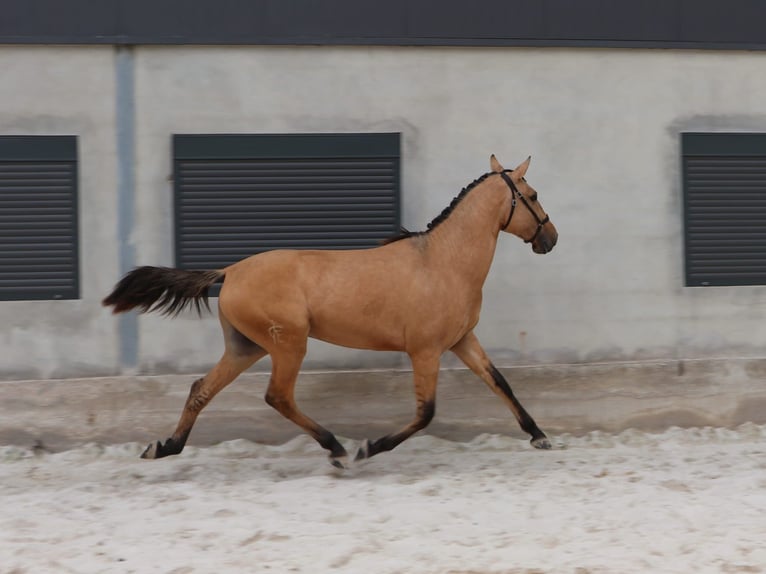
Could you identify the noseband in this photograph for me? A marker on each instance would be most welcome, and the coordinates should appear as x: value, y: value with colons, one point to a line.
x: 516, y: 193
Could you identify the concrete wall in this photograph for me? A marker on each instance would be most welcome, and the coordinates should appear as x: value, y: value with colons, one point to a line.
x: 66, y: 90
x: 602, y: 126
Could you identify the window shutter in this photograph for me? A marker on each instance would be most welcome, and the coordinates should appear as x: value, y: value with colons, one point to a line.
x: 38, y: 217
x: 237, y: 195
x: 725, y: 208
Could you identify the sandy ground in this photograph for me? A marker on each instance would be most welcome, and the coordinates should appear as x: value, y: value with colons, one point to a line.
x: 686, y: 501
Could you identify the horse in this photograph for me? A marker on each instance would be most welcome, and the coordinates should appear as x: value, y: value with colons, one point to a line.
x: 419, y: 293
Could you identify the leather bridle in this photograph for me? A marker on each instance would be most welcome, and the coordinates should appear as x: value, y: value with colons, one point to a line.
x: 516, y: 193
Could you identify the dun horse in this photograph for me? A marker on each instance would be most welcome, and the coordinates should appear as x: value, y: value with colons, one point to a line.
x: 419, y: 293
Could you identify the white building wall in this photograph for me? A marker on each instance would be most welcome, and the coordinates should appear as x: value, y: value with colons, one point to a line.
x: 602, y: 126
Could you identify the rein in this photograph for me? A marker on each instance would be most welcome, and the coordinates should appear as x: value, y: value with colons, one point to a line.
x: 516, y: 193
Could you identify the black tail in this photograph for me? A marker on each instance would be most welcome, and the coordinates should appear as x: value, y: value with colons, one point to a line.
x: 162, y: 289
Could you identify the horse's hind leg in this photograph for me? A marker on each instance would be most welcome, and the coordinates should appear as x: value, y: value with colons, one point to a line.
x: 426, y: 373
x: 280, y: 395
x: 240, y: 354
x: 472, y: 354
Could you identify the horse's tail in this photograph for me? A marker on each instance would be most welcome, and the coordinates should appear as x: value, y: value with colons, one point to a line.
x: 162, y: 289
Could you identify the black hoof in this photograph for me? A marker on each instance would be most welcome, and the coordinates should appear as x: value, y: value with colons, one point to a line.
x: 339, y: 462
x: 159, y: 450
x: 151, y: 451
x: 364, y: 451
x: 541, y: 442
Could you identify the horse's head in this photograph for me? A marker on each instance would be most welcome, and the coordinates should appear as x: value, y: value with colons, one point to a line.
x: 526, y: 217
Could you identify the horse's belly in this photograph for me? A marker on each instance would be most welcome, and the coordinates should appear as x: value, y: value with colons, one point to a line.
x: 370, y: 339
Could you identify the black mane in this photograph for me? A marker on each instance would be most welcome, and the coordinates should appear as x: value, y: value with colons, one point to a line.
x: 404, y: 233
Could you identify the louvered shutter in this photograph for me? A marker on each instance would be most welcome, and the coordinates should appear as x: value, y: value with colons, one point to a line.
x: 38, y: 217
x: 724, y: 178
x: 237, y: 195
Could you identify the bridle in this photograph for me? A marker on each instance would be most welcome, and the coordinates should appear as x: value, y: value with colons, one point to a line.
x: 516, y: 193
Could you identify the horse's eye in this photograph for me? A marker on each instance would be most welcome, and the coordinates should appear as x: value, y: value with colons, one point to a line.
x: 533, y: 198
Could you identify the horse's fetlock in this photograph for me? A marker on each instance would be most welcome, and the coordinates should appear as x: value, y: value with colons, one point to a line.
x: 328, y: 441
x: 427, y: 411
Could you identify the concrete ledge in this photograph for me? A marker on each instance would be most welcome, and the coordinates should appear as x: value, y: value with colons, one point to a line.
x: 359, y: 404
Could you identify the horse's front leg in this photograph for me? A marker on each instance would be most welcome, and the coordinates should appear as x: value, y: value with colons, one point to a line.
x: 426, y: 372
x: 472, y: 354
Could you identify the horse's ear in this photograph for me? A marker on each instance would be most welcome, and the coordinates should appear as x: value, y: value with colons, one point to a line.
x: 494, y: 165
x: 520, y: 171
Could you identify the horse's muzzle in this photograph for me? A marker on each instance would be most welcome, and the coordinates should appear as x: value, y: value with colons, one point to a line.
x: 546, y: 239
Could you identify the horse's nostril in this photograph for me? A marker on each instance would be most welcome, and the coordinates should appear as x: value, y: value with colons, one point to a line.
x: 546, y: 244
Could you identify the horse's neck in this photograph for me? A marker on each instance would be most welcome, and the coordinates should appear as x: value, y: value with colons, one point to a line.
x: 465, y: 242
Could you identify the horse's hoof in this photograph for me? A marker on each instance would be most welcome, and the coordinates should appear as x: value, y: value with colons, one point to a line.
x: 340, y: 462
x: 151, y: 450
x: 541, y: 442
x: 364, y: 451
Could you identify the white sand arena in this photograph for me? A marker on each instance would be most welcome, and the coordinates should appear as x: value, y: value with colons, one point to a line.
x: 685, y: 501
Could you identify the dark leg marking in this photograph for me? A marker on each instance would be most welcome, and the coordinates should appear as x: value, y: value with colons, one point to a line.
x: 240, y: 353
x: 328, y: 441
x: 527, y: 423
x: 241, y: 344
x: 169, y: 447
x: 174, y: 445
x: 324, y: 437
x: 389, y: 442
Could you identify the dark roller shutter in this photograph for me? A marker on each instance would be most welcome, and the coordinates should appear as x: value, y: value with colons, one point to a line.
x: 725, y: 208
x: 38, y: 217
x: 236, y: 195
